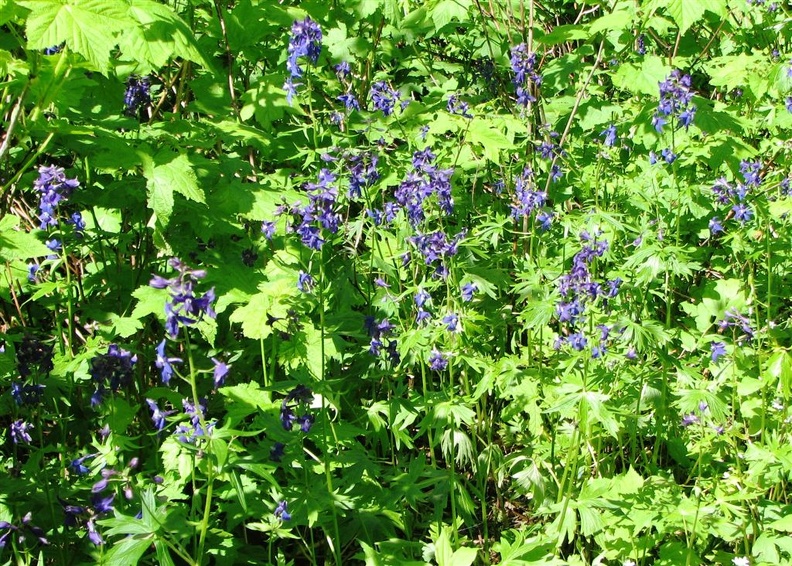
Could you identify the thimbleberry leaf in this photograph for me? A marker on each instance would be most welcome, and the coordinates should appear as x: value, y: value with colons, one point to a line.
x: 86, y: 26
x: 166, y: 174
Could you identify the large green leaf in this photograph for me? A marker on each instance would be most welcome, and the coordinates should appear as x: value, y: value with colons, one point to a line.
x: 86, y: 26
x: 165, y: 173
x: 18, y: 244
x: 158, y: 36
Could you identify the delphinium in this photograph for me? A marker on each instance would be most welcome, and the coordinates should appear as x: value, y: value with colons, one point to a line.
x: 579, y: 290
x: 424, y: 180
x: 384, y: 97
x: 737, y: 195
x: 295, y: 409
x: 137, y: 95
x: 184, y: 308
x: 320, y: 213
x: 457, y: 106
x: 111, y: 372
x: 382, y: 339
x: 305, y: 42
x: 676, y: 101
x: 54, y: 188
x: 526, y: 79
x: 21, y: 531
x: 528, y: 199
x: 34, y: 363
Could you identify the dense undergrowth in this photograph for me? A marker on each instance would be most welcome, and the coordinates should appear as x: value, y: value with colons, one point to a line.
x: 388, y: 282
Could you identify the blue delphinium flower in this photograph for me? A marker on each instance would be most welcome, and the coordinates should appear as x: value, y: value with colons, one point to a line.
x: 669, y: 155
x: 350, y: 101
x: 578, y: 341
x: 342, y: 70
x: 268, y: 229
x: 689, y: 419
x: 457, y: 106
x: 138, y: 93
x: 164, y: 363
x: 20, y: 431
x: 789, y: 104
x: 609, y: 134
x: 281, y: 512
x: 468, y: 290
x: 196, y: 414
x: 185, y: 307
x: 676, y: 96
x: 384, y: 97
x: 305, y: 282
x: 363, y: 173
x: 157, y: 416
x: 742, y: 212
x: 77, y: 221
x: 437, y: 361
x: 53, y: 187
x: 112, y: 370
x: 526, y: 79
x: 298, y: 397
x: 451, y: 322
x: 715, y: 226
x: 78, y: 464
x: 220, y: 372
x: 305, y: 41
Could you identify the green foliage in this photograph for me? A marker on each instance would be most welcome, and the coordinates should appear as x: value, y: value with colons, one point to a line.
x: 463, y: 317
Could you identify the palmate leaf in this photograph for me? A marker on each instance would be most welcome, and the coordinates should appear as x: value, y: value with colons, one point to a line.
x: 165, y: 173
x: 158, y: 36
x: 87, y: 27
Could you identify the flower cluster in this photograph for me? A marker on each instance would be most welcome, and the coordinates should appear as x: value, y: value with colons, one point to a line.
x: 157, y: 416
x: 137, y: 95
x: 733, y: 319
x: 435, y: 248
x: 526, y: 79
x: 736, y: 195
x: 100, y: 504
x: 438, y: 361
x: 185, y: 307
x: 527, y: 200
x: 198, y: 426
x: 676, y: 96
x: 425, y: 180
x: 457, y: 106
x: 378, y: 331
x: 577, y: 289
x: 363, y: 172
x: 610, y: 136
x: 384, y: 97
x: 696, y: 417
x: 6, y: 529
x: 305, y: 41
x: 33, y: 356
x: 717, y: 351
x: 298, y: 398
x: 111, y: 371
x: 20, y: 431
x: 320, y: 213
x: 54, y: 187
